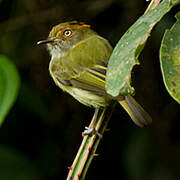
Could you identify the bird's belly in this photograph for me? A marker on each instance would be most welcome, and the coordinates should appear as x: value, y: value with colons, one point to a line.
x: 87, y: 98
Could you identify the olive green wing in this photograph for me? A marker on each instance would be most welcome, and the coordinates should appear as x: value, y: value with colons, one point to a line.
x: 85, y: 65
x: 92, y: 79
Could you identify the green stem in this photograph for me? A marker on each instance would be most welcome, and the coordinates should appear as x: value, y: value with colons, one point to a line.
x: 89, y: 145
x: 152, y: 5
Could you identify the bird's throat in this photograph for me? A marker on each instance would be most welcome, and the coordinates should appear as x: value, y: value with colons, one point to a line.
x: 55, y: 51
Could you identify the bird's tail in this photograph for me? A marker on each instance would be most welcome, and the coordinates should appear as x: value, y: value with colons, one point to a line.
x: 139, y: 116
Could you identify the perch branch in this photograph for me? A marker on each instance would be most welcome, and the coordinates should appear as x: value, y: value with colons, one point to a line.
x: 89, y: 145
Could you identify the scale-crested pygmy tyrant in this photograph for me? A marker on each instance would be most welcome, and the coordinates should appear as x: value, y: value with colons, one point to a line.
x: 78, y: 65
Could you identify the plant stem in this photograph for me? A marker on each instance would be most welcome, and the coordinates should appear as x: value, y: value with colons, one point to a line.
x: 89, y: 144
x: 152, y: 5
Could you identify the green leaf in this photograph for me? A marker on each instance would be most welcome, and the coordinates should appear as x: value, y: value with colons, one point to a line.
x: 126, y: 52
x: 9, y: 86
x: 170, y: 59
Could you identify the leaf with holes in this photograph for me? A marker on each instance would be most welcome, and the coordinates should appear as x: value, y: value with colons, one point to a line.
x: 126, y: 52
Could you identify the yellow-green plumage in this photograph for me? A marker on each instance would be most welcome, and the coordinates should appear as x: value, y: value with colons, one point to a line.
x: 78, y: 66
x: 86, y: 87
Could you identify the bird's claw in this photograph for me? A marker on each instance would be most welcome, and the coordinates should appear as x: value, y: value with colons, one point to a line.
x: 91, y: 131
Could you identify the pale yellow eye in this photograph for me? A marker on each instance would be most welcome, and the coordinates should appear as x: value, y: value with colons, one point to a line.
x: 67, y: 33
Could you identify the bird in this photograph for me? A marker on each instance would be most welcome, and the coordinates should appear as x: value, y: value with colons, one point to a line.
x: 78, y: 65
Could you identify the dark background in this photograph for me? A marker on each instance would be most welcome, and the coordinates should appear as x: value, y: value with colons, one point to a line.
x: 42, y: 132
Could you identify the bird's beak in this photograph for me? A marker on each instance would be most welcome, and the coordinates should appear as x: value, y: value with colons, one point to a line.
x: 45, y: 41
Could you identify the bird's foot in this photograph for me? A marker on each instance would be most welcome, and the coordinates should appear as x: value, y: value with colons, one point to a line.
x: 91, y: 131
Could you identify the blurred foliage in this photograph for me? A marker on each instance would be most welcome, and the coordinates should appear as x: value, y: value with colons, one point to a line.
x: 9, y: 86
x: 42, y: 132
x: 14, y: 165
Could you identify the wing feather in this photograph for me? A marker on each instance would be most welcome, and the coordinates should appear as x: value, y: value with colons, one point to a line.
x: 85, y: 65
